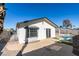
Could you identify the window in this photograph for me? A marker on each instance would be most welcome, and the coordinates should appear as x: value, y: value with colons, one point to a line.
x: 32, y: 32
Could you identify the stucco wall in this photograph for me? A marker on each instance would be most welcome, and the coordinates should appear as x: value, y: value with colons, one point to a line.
x: 21, y: 32
x: 41, y: 32
x: 46, y: 25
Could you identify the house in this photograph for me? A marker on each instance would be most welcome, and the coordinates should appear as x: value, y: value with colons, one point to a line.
x: 36, y: 29
x: 72, y: 32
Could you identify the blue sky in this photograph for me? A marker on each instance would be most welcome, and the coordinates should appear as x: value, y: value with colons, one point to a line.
x: 17, y: 12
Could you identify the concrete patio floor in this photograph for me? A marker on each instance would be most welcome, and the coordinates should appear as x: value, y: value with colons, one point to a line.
x: 52, y: 50
x: 12, y: 47
x: 47, y: 47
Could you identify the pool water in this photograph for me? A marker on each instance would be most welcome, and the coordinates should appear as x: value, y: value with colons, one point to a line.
x: 67, y: 37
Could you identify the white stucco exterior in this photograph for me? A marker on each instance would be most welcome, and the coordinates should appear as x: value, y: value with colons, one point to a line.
x: 21, y: 35
x: 21, y: 32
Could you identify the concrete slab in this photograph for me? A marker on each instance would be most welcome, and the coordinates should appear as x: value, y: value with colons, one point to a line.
x: 12, y: 48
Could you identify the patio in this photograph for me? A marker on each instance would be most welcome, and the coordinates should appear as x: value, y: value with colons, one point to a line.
x: 16, y: 47
x: 52, y: 50
x: 41, y: 48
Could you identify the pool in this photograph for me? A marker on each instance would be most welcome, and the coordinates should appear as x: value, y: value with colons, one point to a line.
x: 67, y: 37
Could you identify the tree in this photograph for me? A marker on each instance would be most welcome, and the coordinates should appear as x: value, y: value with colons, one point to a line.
x: 2, y: 16
x: 61, y: 26
x: 67, y: 24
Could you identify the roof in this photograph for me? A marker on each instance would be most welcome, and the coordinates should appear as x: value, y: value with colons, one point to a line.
x: 29, y: 22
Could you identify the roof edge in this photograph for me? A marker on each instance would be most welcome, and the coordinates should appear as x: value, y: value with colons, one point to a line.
x: 56, y: 26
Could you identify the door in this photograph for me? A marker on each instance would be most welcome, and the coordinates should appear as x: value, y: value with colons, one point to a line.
x: 48, y: 33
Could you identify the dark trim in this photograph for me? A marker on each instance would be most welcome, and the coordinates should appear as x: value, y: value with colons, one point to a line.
x: 31, y: 27
x: 42, y: 18
x: 31, y: 35
x: 51, y: 21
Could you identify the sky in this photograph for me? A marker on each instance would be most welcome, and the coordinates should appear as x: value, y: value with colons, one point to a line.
x: 56, y: 12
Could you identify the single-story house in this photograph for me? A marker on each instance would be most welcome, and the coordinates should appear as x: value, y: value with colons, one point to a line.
x: 36, y: 29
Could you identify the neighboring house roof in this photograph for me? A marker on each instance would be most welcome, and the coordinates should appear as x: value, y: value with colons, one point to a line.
x: 33, y: 21
x: 69, y: 31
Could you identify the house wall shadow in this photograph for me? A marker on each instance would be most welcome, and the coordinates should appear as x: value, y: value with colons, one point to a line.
x: 20, y: 52
x: 40, y: 52
x: 46, y: 51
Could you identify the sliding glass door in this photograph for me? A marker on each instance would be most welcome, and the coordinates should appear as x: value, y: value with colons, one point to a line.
x: 48, y: 33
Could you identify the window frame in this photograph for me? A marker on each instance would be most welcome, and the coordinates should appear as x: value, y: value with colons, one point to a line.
x: 31, y: 32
